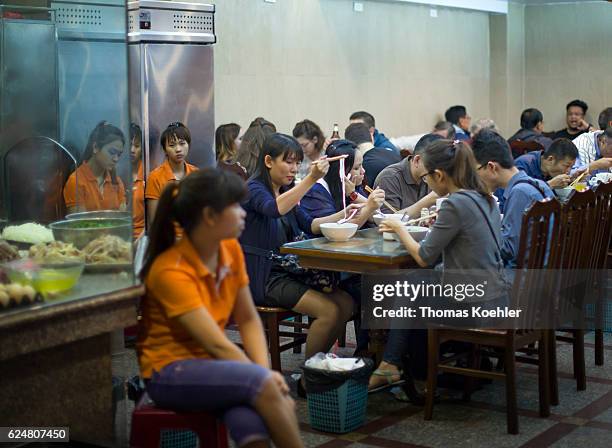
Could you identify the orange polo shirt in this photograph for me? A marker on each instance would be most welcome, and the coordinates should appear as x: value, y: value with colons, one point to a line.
x: 159, y: 178
x: 178, y: 282
x: 82, y: 191
x: 138, y: 207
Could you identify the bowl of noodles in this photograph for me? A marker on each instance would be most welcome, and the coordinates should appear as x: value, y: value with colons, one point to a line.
x: 80, y: 232
x: 107, y: 252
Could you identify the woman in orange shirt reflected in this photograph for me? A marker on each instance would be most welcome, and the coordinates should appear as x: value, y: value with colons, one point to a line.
x: 95, y: 184
x: 138, y: 188
x: 175, y: 141
x: 193, y: 288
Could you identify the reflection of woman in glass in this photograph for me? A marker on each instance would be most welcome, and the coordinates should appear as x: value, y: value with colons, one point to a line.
x: 95, y: 184
x: 138, y: 189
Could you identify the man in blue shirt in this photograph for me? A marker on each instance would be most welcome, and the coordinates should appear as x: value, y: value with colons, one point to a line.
x: 532, y: 126
x: 460, y: 119
x: 551, y: 165
x: 497, y: 170
x: 380, y: 141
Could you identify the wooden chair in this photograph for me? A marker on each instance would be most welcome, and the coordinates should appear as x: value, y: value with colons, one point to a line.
x: 576, y: 244
x: 272, y: 319
x: 601, y: 244
x: 520, y: 147
x: 538, y: 244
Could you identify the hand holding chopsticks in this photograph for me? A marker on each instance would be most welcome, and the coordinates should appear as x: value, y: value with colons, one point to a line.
x: 389, y: 206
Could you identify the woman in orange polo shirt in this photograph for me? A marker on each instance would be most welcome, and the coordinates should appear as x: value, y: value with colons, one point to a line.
x: 175, y: 141
x: 194, y: 286
x: 95, y: 184
x: 138, y: 212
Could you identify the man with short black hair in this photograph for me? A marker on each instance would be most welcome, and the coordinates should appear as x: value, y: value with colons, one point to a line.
x: 460, y: 119
x: 532, y: 125
x: 574, y: 117
x: 497, y: 170
x: 380, y: 141
x: 375, y: 159
x: 403, y: 184
x: 551, y: 165
x: 605, y: 118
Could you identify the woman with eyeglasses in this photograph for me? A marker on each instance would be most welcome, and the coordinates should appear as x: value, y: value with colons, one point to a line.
x: 95, y: 184
x: 274, y: 217
x: 310, y: 137
x: 175, y: 141
x: 465, y: 237
x: 325, y: 196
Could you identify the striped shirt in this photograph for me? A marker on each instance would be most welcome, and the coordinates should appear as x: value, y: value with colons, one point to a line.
x: 588, y: 150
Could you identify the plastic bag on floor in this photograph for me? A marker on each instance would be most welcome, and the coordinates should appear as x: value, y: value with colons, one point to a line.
x: 321, y: 378
x: 333, y: 363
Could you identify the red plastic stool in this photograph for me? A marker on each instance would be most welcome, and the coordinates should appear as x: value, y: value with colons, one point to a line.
x: 149, y: 421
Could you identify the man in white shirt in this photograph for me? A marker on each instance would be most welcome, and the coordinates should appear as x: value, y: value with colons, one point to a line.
x: 594, y: 151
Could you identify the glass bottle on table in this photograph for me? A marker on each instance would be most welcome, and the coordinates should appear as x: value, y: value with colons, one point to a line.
x: 336, y: 133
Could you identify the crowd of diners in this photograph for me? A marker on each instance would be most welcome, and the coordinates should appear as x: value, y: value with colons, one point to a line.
x: 214, y: 236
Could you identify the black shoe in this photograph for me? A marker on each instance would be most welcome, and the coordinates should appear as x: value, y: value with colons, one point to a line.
x: 301, y: 391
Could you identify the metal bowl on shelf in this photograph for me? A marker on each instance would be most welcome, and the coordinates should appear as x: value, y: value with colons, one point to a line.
x: 81, y: 231
x: 111, y: 214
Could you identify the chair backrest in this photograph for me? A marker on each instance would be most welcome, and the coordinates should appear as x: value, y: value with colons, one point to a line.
x: 577, y: 229
x: 603, y: 229
x: 537, y: 260
x: 519, y: 147
x: 35, y: 171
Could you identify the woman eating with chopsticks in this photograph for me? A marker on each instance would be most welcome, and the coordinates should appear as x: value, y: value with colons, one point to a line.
x: 274, y: 217
x: 465, y: 236
x: 328, y: 195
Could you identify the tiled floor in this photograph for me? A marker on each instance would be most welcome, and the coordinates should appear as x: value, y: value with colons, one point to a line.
x: 582, y: 419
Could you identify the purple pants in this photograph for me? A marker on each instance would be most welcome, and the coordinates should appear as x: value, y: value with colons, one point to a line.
x: 226, y: 388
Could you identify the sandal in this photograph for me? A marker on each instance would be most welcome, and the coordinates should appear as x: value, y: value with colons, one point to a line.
x: 393, y: 378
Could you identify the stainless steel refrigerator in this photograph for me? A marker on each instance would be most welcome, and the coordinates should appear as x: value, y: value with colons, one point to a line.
x: 171, y: 75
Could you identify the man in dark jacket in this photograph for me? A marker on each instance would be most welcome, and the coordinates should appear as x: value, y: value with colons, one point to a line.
x: 380, y: 141
x: 532, y: 125
x: 375, y: 158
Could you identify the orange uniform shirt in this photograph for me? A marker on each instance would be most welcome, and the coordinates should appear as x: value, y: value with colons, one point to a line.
x: 159, y: 178
x: 82, y: 191
x: 138, y: 207
x: 178, y: 282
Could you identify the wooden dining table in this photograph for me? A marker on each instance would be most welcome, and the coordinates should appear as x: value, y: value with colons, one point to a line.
x: 365, y: 252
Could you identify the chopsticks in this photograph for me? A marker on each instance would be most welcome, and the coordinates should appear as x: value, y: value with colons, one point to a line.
x: 389, y: 206
x: 332, y: 159
x: 423, y: 218
x: 575, y: 181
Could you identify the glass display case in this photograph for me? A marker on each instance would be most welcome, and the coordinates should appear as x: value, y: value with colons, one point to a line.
x: 65, y: 153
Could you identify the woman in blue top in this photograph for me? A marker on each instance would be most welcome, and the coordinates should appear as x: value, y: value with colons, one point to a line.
x: 325, y: 197
x: 274, y: 218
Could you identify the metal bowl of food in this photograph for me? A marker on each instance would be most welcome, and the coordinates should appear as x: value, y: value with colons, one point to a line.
x: 111, y: 214
x: 81, y: 231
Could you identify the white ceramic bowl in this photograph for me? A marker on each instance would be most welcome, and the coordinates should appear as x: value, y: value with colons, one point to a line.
x: 417, y: 232
x: 380, y: 217
x: 338, y: 232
